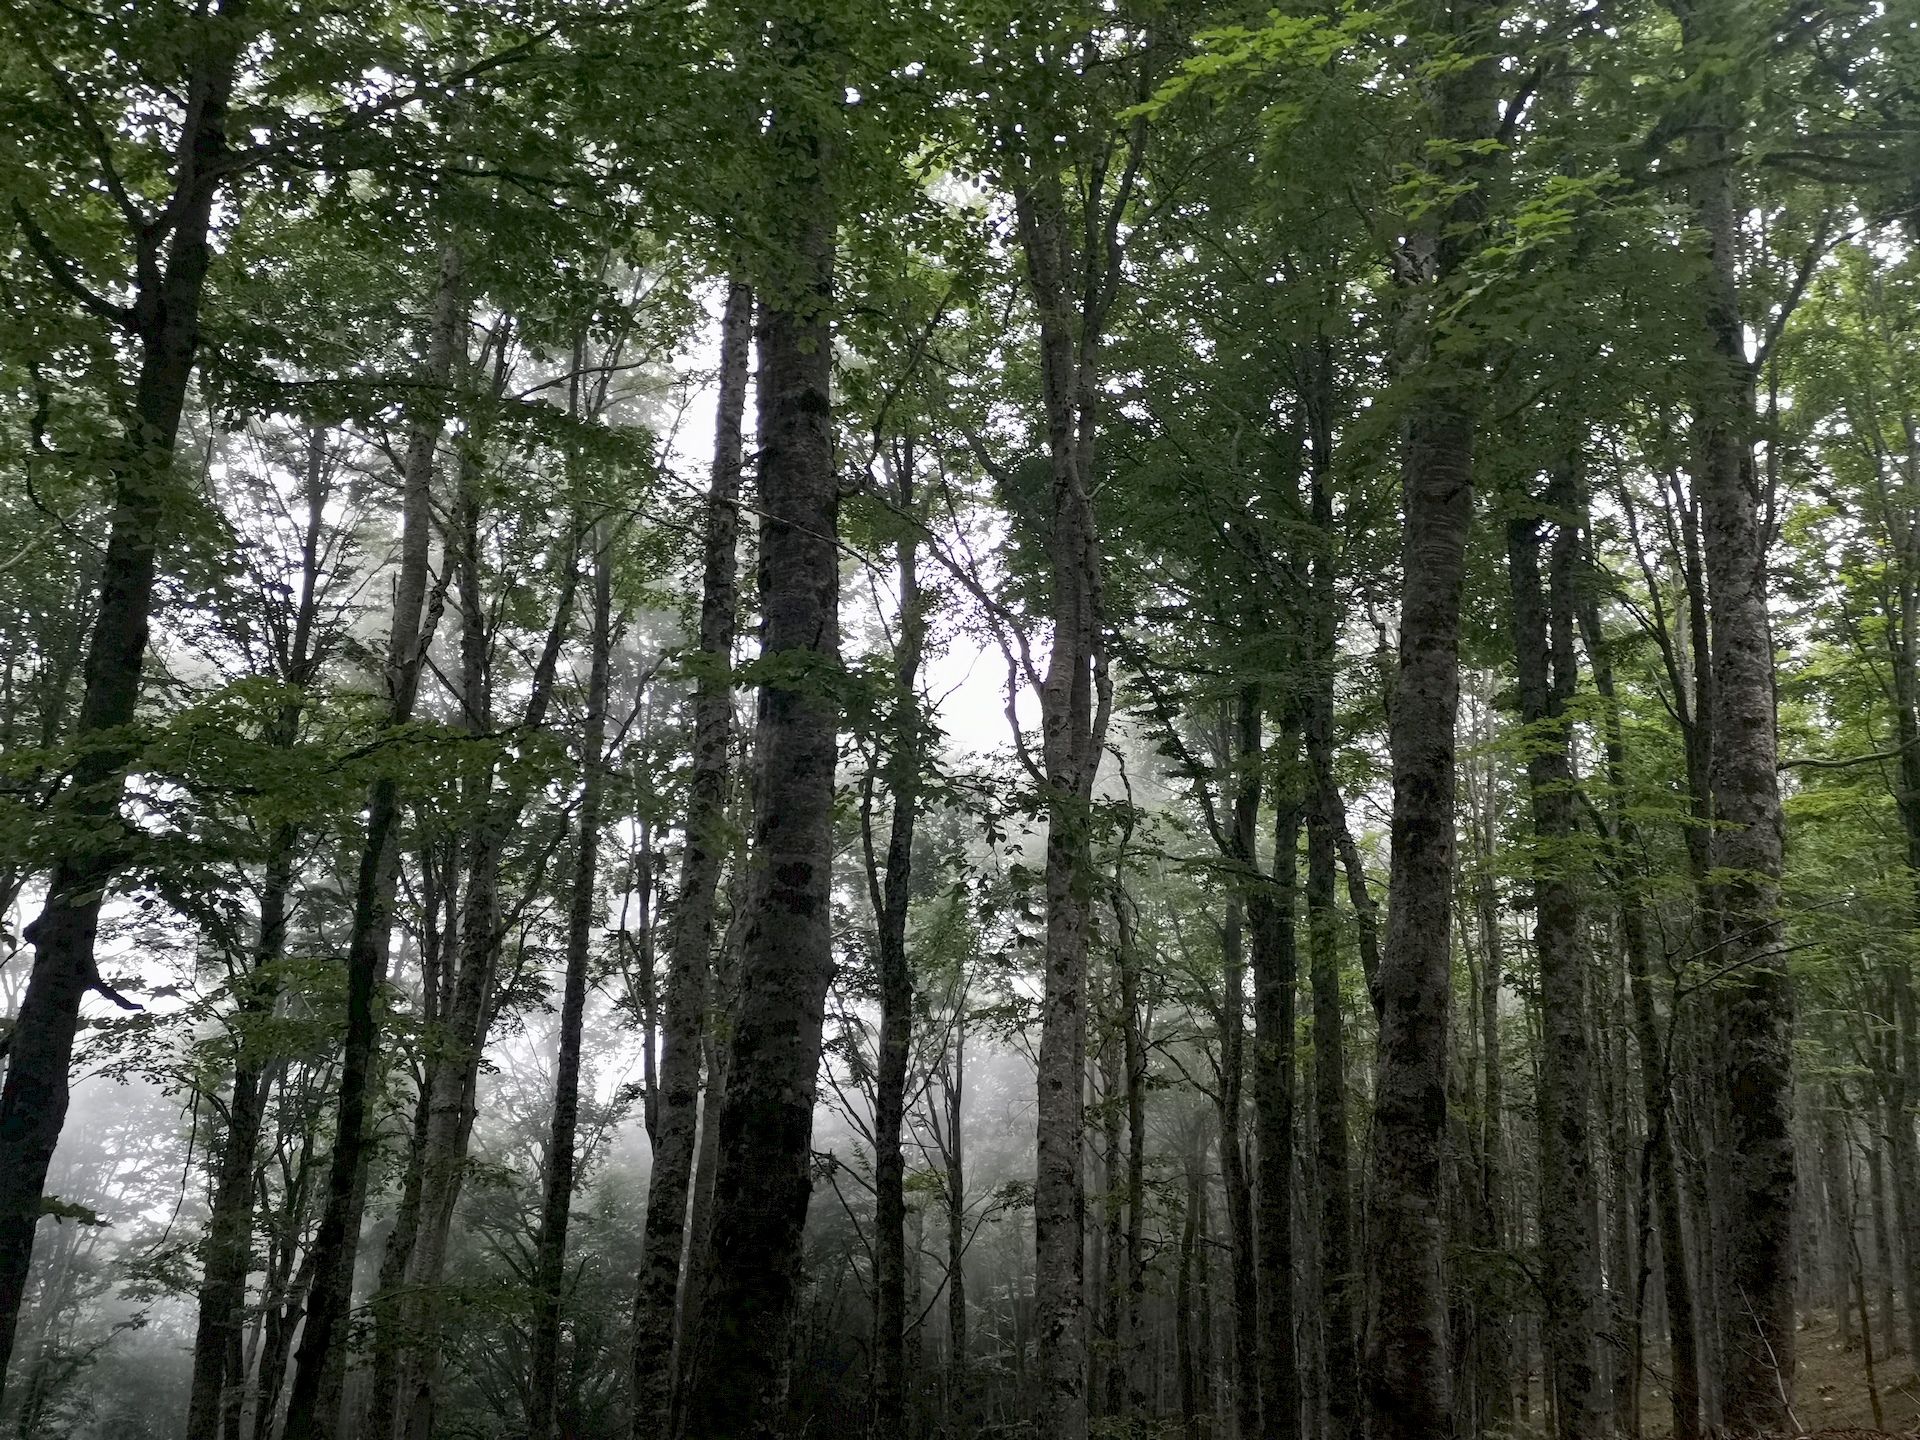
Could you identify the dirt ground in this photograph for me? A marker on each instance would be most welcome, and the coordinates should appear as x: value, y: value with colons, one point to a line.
x: 1832, y: 1399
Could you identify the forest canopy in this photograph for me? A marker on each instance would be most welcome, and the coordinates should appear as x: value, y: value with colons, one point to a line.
x: 959, y: 718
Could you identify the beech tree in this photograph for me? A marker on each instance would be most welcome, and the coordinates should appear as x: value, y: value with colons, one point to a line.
x: 1309, y: 825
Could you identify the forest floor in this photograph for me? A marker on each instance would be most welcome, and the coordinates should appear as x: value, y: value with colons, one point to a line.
x: 1832, y: 1392
x: 1832, y: 1387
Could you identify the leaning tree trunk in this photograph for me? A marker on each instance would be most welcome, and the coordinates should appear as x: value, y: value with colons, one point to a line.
x: 735, y: 1370
x: 543, y: 1418
x: 663, y: 1238
x: 337, y: 1239
x: 1409, y: 1387
x: 1753, y: 996
x: 890, y: 886
x: 1544, y: 665
x: 163, y: 329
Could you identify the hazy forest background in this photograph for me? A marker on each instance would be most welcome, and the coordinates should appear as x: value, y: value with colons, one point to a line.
x: 959, y: 718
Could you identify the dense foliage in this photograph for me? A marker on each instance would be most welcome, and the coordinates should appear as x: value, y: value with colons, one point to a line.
x: 1131, y: 719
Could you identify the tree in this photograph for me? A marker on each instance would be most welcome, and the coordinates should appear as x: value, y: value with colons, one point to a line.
x: 692, y: 936
x: 736, y: 1355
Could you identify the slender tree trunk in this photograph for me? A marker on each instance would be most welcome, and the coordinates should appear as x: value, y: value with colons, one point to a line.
x: 718, y: 1056
x: 1270, y: 912
x: 1073, y: 286
x: 216, y: 1386
x: 1191, y: 1382
x: 163, y: 326
x: 288, y: 1283
x: 1134, y: 1054
x: 890, y: 887
x: 337, y: 1239
x: 1660, y: 1172
x: 959, y: 1386
x: 1858, y: 1270
x: 691, y: 939
x: 735, y: 1387
x: 1493, y: 1377
x: 1244, y: 747
x: 1324, y: 820
x: 440, y: 891
x: 1570, y: 1243
x: 1903, y: 1167
x: 1366, y: 910
x: 1840, y: 1241
x: 544, y: 1417
x: 453, y: 1066
x: 1883, y: 1249
x: 1902, y: 626
x: 1105, y: 1242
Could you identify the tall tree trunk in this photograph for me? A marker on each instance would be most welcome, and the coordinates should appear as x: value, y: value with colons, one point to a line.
x: 1333, y: 1182
x: 889, y: 884
x: 717, y: 1055
x: 1570, y: 1246
x: 1493, y: 1371
x: 1660, y: 1172
x: 1244, y: 769
x: 1072, y: 286
x: 1883, y: 1247
x: 163, y: 327
x: 337, y: 1240
x: 1410, y: 1391
x: 1134, y: 1055
x: 735, y: 1374
x: 1753, y: 996
x: 1903, y: 1165
x: 459, y: 1037
x: 691, y: 940
x: 1270, y: 912
x: 1902, y: 631
x: 1105, y: 1242
x: 465, y: 1017
x: 1191, y: 1380
x: 544, y: 1418
x: 959, y: 1382
x: 439, y: 940
x: 216, y: 1384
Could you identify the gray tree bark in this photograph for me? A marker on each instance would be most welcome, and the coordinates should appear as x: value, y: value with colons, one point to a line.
x: 1073, y: 286
x: 889, y: 884
x: 1753, y: 998
x: 691, y: 940
x: 544, y: 1418
x: 1570, y: 1252
x: 1331, y: 1153
x: 735, y: 1371
x: 1409, y: 1387
x: 162, y: 329
x: 1270, y: 911
x: 1660, y: 1178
